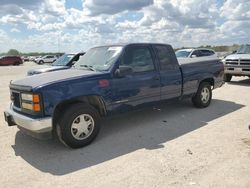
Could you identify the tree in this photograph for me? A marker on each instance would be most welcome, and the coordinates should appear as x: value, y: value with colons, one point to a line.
x: 13, y: 52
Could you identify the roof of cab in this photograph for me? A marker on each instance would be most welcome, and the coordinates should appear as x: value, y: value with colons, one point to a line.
x: 127, y: 44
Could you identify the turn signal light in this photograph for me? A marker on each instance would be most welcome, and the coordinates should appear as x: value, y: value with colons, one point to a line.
x: 36, y: 98
x: 36, y: 107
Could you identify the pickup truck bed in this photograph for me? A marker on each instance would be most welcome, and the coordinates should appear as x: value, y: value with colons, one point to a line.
x: 107, y: 80
x: 196, y: 69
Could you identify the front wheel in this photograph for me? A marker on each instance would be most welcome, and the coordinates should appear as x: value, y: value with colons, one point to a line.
x: 203, y: 96
x: 79, y: 125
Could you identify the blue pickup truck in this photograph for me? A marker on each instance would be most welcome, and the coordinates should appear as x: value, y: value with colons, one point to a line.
x: 69, y: 104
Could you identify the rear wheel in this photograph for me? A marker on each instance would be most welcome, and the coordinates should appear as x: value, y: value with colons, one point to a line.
x: 79, y: 125
x: 227, y: 77
x: 203, y: 96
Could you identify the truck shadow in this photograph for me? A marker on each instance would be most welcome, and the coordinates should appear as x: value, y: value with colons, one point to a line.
x: 148, y: 129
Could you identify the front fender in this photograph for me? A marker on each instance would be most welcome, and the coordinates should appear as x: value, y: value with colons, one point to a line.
x: 57, y: 93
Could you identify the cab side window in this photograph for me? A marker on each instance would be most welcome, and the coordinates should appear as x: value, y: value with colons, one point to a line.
x: 165, y: 56
x: 139, y: 58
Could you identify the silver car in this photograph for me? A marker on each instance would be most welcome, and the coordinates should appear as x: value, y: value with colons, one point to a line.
x: 46, y: 59
x: 194, y: 52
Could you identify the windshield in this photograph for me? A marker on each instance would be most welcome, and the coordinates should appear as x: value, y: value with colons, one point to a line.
x: 63, y: 60
x: 100, y: 58
x: 182, y: 53
x: 244, y: 49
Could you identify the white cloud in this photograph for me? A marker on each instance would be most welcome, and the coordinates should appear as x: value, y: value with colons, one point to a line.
x: 97, y: 22
x: 236, y: 10
x: 54, y: 7
x: 15, y: 30
x: 97, y: 7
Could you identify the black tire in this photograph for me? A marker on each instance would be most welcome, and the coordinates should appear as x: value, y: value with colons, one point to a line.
x: 65, y: 130
x: 227, y: 77
x: 198, y: 99
x: 41, y: 62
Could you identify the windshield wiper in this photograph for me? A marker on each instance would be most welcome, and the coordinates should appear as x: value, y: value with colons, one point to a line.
x: 88, y: 67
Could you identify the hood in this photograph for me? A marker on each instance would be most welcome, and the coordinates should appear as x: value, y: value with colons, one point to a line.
x: 46, y: 69
x: 238, y: 56
x: 51, y: 77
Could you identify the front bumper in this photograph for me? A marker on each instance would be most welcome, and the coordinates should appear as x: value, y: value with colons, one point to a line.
x: 237, y: 70
x: 39, y: 128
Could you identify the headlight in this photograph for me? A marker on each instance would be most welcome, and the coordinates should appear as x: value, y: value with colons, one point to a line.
x: 31, y: 102
x: 30, y: 97
x: 26, y: 97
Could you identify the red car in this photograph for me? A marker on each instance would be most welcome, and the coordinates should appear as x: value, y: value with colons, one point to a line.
x: 11, y: 60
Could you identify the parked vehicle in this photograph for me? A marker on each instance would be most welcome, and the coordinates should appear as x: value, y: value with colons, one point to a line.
x: 37, y: 58
x: 32, y: 58
x: 25, y: 58
x: 64, y: 62
x: 11, y: 60
x: 46, y: 59
x: 237, y: 64
x: 105, y: 81
x: 194, y: 52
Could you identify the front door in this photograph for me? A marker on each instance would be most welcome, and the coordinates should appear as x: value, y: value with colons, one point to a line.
x: 142, y: 85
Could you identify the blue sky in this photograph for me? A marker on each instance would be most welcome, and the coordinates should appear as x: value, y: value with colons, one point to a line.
x: 76, y: 25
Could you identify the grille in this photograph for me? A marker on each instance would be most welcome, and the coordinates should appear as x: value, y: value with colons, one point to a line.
x: 238, y: 62
x: 16, y: 99
x: 245, y: 62
x: 232, y: 61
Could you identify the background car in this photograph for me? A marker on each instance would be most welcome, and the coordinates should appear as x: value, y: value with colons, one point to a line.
x: 64, y: 62
x: 194, y: 52
x: 25, y: 58
x: 46, y: 59
x: 11, y: 60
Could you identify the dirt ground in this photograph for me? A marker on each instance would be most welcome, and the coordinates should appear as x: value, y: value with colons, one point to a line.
x: 170, y: 145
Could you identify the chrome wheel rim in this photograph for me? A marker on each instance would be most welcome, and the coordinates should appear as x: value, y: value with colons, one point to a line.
x: 205, y: 95
x: 82, y: 126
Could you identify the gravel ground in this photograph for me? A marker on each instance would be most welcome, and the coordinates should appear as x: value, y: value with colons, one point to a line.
x: 170, y: 145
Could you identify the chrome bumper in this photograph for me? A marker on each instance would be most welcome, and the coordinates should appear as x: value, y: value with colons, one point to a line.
x: 39, y: 128
x: 240, y: 70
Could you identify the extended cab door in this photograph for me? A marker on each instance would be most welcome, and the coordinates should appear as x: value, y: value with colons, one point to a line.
x: 170, y: 74
x: 142, y: 84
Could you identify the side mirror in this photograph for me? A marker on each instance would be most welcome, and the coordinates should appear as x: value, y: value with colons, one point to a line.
x: 234, y: 51
x: 192, y: 56
x: 122, y: 71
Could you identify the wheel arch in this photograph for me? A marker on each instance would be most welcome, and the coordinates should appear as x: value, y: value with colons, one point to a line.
x: 94, y: 100
x: 209, y: 80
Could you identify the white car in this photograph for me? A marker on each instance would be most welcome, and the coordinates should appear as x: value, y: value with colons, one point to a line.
x: 46, y: 59
x: 194, y: 52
